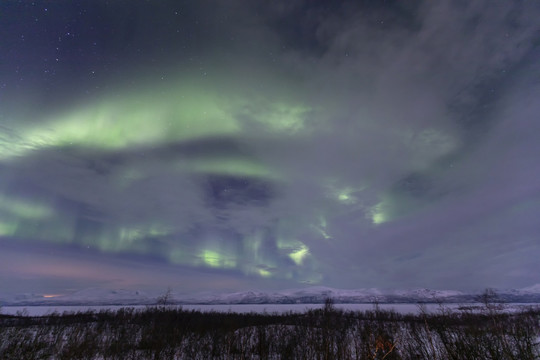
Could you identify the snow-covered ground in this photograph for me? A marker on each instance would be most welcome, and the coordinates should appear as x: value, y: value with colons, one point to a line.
x: 278, y: 301
x: 246, y: 308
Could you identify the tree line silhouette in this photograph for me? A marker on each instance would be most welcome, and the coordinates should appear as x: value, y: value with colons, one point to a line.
x: 170, y: 332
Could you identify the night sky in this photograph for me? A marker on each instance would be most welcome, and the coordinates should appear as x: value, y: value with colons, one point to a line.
x: 235, y: 144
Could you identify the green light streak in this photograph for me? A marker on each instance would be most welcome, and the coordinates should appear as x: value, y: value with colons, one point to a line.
x: 215, y: 259
x: 211, y: 258
x: 141, y: 119
x: 344, y: 194
x: 264, y: 273
x: 379, y: 213
x: 127, y: 235
x: 323, y: 233
x: 159, y: 115
x: 392, y: 206
x: 25, y: 209
x: 322, y: 221
x: 127, y: 238
x: 378, y: 217
x: 158, y: 230
x: 299, y: 255
x: 8, y: 229
x: 294, y: 249
x: 115, y: 241
x: 252, y: 246
x: 54, y: 229
x: 228, y: 166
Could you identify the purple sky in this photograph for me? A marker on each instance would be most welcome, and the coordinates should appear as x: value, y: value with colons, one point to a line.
x: 234, y: 145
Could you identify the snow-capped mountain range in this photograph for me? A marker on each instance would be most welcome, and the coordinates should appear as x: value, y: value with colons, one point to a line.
x: 310, y: 295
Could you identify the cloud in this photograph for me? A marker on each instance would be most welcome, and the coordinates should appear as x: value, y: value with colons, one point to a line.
x: 361, y: 145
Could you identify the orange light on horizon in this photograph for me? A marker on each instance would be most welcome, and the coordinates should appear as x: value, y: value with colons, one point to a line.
x: 51, y: 295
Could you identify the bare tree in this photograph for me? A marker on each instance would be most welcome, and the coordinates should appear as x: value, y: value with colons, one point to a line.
x: 166, y: 298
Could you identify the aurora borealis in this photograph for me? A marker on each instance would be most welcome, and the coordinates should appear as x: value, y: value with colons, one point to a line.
x: 232, y: 145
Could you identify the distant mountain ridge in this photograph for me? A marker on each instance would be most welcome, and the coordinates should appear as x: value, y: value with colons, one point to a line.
x: 310, y: 295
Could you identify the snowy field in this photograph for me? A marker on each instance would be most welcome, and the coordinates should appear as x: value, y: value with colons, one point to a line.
x: 257, y: 308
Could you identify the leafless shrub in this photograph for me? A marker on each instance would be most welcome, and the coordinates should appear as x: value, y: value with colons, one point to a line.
x: 327, y: 333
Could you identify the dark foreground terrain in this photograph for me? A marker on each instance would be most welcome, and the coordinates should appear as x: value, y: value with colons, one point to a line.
x: 172, y: 333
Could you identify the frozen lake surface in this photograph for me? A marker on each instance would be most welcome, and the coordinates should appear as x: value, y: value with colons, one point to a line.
x: 246, y: 308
